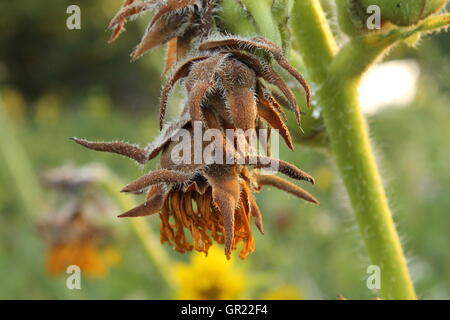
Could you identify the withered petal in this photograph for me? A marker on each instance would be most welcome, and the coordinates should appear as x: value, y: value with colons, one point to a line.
x: 265, y: 71
x: 287, y: 186
x: 242, y: 106
x: 170, y: 6
x: 263, y: 44
x: 154, y: 177
x: 127, y: 10
x: 161, y: 32
x: 254, y: 209
x: 171, y: 54
x: 195, y: 99
x: 280, y: 165
x: 268, y: 113
x: 226, y: 205
x: 181, y: 72
x: 153, y: 205
x: 198, y: 185
x: 264, y: 93
x: 226, y: 194
x: 122, y: 148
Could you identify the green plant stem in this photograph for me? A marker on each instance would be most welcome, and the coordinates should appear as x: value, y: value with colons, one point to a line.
x: 314, y: 38
x: 261, y: 11
x: 149, y: 242
x: 338, y: 79
x: 19, y: 167
x: 236, y: 20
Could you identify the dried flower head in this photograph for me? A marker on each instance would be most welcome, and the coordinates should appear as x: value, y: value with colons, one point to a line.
x: 230, y: 84
x: 229, y: 76
x: 70, y: 178
x: 71, y: 234
x: 72, y: 240
x: 176, y: 22
x: 210, y: 201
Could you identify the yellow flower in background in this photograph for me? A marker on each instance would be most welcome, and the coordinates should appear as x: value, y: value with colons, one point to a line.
x: 286, y: 292
x: 211, y: 277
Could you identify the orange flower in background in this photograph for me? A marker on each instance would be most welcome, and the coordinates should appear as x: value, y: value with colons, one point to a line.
x: 84, y: 255
x: 73, y: 240
x: 71, y: 236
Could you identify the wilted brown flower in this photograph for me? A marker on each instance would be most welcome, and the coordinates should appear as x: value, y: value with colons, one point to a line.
x: 71, y: 234
x: 176, y: 22
x: 72, y: 240
x: 230, y: 84
x: 70, y: 178
x: 211, y: 201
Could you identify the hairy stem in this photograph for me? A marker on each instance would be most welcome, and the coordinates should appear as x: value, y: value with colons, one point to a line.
x: 261, y: 12
x: 314, y: 38
x: 338, y: 78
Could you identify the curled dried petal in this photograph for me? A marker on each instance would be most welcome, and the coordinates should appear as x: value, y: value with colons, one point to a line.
x: 285, y: 185
x: 122, y: 148
x: 158, y: 176
x: 153, y: 205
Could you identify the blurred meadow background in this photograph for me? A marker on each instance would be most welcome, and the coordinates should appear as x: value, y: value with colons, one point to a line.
x: 57, y: 83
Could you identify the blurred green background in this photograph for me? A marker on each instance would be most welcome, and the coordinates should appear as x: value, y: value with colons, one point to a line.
x: 56, y: 83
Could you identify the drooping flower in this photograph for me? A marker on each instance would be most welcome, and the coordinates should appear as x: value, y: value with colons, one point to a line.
x: 230, y: 84
x: 211, y: 201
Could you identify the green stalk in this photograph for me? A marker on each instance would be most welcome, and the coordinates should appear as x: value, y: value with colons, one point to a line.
x: 338, y: 79
x: 19, y: 166
x: 149, y: 242
x: 314, y: 38
x: 261, y: 11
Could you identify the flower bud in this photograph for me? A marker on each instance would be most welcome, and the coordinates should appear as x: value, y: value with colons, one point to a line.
x: 404, y: 12
x: 354, y: 15
x: 352, y: 19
